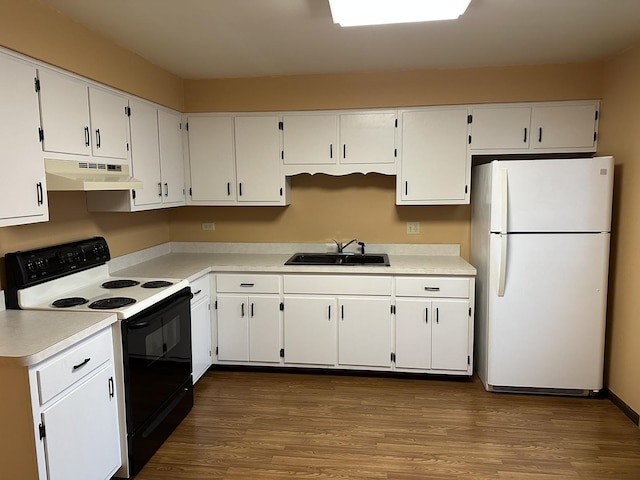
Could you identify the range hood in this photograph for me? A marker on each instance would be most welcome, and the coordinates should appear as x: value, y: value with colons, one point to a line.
x: 69, y: 175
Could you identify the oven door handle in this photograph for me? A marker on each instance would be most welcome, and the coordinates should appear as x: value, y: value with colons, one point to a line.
x: 138, y: 325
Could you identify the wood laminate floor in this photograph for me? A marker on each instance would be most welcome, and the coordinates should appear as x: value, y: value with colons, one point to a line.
x: 256, y: 425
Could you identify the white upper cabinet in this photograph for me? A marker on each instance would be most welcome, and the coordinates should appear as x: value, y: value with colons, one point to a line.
x: 553, y: 127
x: 434, y: 166
x: 211, y: 160
x: 258, y: 173
x: 565, y: 126
x: 368, y: 137
x: 310, y: 139
x: 64, y: 110
x: 500, y: 128
x: 109, y: 124
x: 145, y: 153
x: 23, y: 196
x: 79, y: 119
x: 171, y: 157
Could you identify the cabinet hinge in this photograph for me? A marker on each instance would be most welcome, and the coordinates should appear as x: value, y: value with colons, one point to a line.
x: 596, y: 114
x: 281, y: 126
x: 281, y: 154
x: 595, y: 135
x: 393, y: 357
x: 40, y: 134
x: 216, y: 350
x: 468, y: 359
x: 469, y: 139
x: 127, y: 146
x: 466, y: 189
x: 186, y: 125
x: 133, y: 194
x: 393, y: 309
x: 36, y: 84
x: 282, y: 353
x: 191, y: 191
x: 395, y: 152
x: 215, y: 307
x: 127, y: 111
x: 469, y: 118
x: 42, y: 430
x: 280, y: 191
x: 396, y: 124
x: 209, y: 306
x: 282, y: 306
x: 469, y: 311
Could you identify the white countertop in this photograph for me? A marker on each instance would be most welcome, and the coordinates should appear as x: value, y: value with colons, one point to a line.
x: 194, y: 265
x: 28, y: 336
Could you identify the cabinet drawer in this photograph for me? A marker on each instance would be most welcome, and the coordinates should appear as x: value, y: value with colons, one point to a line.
x: 200, y: 287
x: 432, y: 287
x: 248, y: 283
x: 337, y: 285
x: 73, y: 364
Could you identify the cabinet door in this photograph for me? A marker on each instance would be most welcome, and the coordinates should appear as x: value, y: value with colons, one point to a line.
x: 211, y: 159
x: 257, y: 141
x: 171, y: 157
x: 413, y: 333
x: 145, y: 152
x: 434, y: 156
x: 23, y: 193
x: 109, y: 123
x: 233, y: 328
x: 64, y: 110
x: 82, y: 434
x: 564, y: 126
x: 368, y: 138
x: 500, y: 128
x: 264, y: 329
x: 310, y: 139
x: 364, y: 332
x: 200, y: 338
x: 450, y: 334
x: 310, y: 334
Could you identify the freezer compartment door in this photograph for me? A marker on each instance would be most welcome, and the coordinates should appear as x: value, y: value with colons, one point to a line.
x: 547, y: 330
x: 567, y: 195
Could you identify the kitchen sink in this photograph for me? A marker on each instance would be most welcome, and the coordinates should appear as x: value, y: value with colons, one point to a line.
x: 373, y: 259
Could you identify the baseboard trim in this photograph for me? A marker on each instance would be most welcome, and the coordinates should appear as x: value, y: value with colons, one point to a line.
x: 626, y: 409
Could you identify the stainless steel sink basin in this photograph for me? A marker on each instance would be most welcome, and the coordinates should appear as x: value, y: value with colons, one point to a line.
x: 373, y: 259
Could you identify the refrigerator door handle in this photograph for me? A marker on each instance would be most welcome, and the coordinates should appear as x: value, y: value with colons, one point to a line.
x: 502, y: 270
x: 504, y: 194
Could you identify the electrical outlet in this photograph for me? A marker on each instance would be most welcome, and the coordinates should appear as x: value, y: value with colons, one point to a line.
x: 209, y: 226
x: 413, y: 228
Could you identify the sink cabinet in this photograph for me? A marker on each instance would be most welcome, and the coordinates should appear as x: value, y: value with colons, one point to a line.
x: 60, y: 416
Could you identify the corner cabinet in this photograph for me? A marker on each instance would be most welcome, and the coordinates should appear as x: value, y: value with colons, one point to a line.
x: 23, y: 190
x: 434, y: 168
x: 68, y: 406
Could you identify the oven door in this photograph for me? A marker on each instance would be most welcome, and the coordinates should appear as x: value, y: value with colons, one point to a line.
x: 157, y: 356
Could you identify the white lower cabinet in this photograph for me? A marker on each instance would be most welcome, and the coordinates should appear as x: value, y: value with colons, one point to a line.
x: 200, y: 327
x: 310, y: 330
x: 60, y: 416
x: 434, y: 324
x: 248, y: 318
x: 364, y: 331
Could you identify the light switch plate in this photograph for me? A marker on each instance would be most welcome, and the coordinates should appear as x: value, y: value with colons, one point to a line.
x: 209, y: 226
x: 413, y: 228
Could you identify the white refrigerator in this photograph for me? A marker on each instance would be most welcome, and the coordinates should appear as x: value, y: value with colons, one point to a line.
x: 540, y: 232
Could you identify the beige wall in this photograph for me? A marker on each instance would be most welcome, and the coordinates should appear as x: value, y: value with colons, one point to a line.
x: 619, y: 136
x: 35, y: 30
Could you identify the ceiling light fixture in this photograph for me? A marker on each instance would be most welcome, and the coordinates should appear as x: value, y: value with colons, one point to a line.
x: 351, y: 13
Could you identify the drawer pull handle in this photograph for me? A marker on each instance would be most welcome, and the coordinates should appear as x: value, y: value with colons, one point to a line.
x: 81, y: 364
x: 111, y: 388
x: 432, y: 289
x: 247, y: 284
x: 197, y: 292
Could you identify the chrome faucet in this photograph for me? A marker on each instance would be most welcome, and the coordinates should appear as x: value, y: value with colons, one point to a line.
x: 342, y: 246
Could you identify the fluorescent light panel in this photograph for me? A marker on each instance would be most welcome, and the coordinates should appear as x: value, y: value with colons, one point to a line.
x: 351, y: 13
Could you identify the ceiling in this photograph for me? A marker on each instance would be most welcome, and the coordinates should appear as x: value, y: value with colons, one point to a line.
x: 244, y: 38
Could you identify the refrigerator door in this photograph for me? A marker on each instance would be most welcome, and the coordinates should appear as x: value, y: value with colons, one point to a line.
x: 547, y: 331
x: 565, y: 195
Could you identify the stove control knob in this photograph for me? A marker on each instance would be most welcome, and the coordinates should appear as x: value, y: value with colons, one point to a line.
x: 42, y: 263
x: 98, y: 250
x: 31, y: 266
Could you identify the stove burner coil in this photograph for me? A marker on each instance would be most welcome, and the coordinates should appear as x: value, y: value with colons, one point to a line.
x: 69, y: 302
x: 156, y: 284
x: 111, y: 303
x: 120, y: 283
